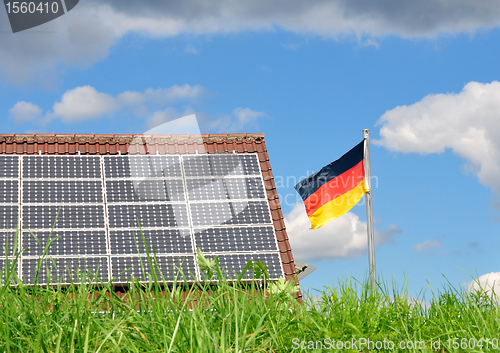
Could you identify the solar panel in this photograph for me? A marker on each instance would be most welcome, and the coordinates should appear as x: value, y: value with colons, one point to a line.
x: 61, y: 167
x: 144, y: 190
x: 148, y: 215
x: 62, y: 191
x: 64, y: 270
x: 220, y: 165
x: 158, y: 241
x: 9, y: 206
x: 9, y: 166
x: 9, y: 191
x: 65, y: 242
x: 227, y: 213
x: 235, y: 239
x: 37, y: 217
x: 8, y: 239
x: 233, y: 265
x: 8, y: 217
x: 92, y: 209
x: 152, y: 166
x: 224, y: 189
x: 169, y: 268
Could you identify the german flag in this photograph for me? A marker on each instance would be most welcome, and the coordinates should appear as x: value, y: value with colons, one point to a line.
x: 335, y: 189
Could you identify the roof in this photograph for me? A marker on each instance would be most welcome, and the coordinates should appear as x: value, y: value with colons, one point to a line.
x: 112, y: 144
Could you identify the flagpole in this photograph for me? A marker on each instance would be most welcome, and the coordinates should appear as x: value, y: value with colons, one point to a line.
x: 369, y: 212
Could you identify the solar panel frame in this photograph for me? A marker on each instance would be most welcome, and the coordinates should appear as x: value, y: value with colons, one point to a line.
x: 175, y: 160
x: 262, y: 184
x: 246, y: 172
x: 84, y: 169
x: 9, y: 177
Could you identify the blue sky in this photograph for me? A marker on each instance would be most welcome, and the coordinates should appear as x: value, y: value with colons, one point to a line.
x: 311, y: 76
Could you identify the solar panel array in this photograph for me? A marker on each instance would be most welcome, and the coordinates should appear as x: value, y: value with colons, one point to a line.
x: 89, y: 208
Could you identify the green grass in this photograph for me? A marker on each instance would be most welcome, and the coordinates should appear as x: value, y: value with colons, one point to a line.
x: 237, y: 317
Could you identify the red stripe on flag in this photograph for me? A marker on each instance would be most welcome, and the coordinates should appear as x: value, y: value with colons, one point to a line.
x: 335, y: 188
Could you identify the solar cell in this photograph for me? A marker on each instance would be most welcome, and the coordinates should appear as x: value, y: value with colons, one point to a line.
x: 66, y: 216
x: 9, y: 191
x: 151, y: 166
x: 8, y: 217
x: 224, y: 189
x: 9, y: 166
x: 159, y: 242
x: 149, y: 215
x: 12, y: 267
x: 235, y: 239
x: 74, y: 242
x: 237, y: 213
x: 7, y: 238
x: 61, y: 167
x: 221, y: 165
x: 144, y: 190
x: 64, y: 270
x: 62, y: 191
x: 232, y: 265
x: 167, y: 267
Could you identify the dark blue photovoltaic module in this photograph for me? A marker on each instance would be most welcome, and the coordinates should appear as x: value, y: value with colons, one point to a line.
x: 9, y: 166
x: 65, y: 242
x: 144, y: 190
x: 65, y: 270
x: 103, y: 215
x: 226, y: 239
x: 153, y: 166
x: 9, y: 191
x: 64, y: 216
x: 221, y: 165
x: 233, y: 264
x: 62, y: 191
x: 154, y: 241
x: 225, y: 189
x: 61, y: 167
x: 230, y: 213
x: 170, y: 268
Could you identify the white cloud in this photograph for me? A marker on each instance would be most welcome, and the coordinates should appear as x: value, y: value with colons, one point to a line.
x: 238, y: 120
x: 84, y: 103
x: 467, y: 122
x: 245, y: 117
x: 85, y: 34
x: 341, y: 238
x: 25, y: 111
x: 489, y: 282
x: 162, y: 95
x: 428, y: 244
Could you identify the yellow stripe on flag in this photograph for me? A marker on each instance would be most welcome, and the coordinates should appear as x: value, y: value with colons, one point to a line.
x: 338, y: 206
